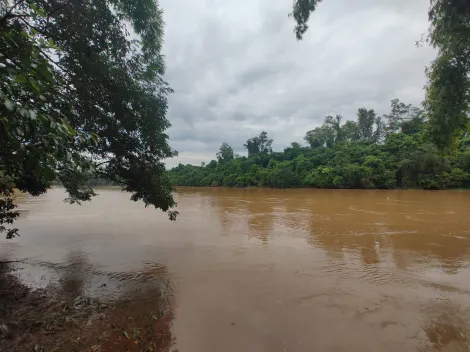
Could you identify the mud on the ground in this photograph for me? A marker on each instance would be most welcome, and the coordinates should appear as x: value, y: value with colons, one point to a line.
x: 49, y: 320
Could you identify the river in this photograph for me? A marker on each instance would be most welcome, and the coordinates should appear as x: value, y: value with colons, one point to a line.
x: 268, y: 270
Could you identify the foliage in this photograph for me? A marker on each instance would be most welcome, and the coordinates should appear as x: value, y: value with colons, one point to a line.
x: 259, y: 145
x: 447, y: 93
x: 301, y: 14
x: 82, y: 98
x: 225, y: 153
x: 383, y: 152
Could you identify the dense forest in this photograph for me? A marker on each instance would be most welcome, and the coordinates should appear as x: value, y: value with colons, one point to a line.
x: 389, y: 151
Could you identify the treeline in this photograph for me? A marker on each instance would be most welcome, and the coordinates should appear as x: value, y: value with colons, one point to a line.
x: 386, y: 152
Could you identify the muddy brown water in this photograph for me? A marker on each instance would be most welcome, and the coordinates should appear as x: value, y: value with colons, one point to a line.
x: 268, y: 270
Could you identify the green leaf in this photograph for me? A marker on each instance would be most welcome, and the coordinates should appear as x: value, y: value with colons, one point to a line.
x: 9, y: 104
x: 32, y: 114
x: 44, y: 70
x: 38, y: 10
x: 21, y: 78
x: 53, y: 45
x: 23, y: 112
x: 35, y: 86
x: 42, y: 12
x: 69, y: 129
x: 95, y: 138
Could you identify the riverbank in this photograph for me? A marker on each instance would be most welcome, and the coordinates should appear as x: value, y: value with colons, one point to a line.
x: 51, y: 319
x: 176, y: 187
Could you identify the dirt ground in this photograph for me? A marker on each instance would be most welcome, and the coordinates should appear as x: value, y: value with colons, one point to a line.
x: 46, y: 320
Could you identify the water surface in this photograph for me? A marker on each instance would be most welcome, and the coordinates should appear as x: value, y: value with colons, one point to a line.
x: 269, y: 270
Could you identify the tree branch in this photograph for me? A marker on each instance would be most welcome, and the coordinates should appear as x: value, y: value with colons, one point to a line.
x: 9, y: 14
x: 102, y: 163
x: 4, y: 19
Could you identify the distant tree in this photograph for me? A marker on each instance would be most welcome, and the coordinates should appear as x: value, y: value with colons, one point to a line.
x: 415, y: 124
x: 403, y: 117
x: 328, y: 134
x: 295, y: 145
x: 365, y: 122
x: 333, y: 125
x: 399, y: 112
x: 225, y: 153
x: 317, y: 137
x: 212, y: 164
x: 447, y: 94
x: 378, y: 134
x: 252, y: 145
x: 401, y: 159
x: 350, y: 131
x: 259, y: 145
x: 265, y: 143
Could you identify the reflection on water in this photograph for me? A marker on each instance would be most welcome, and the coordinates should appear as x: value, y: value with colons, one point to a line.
x: 75, y: 273
x: 269, y: 270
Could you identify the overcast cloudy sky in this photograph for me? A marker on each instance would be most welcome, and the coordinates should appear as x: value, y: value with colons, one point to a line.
x: 237, y: 68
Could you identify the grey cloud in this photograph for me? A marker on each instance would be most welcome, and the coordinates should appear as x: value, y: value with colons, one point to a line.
x: 237, y: 68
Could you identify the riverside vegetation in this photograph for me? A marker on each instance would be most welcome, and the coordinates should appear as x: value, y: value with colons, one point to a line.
x: 386, y: 152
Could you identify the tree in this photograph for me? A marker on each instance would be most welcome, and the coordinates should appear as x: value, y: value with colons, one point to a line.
x: 377, y: 136
x: 404, y: 118
x: 365, y: 122
x: 334, y: 128
x: 225, y: 153
x: 259, y: 145
x: 340, y: 159
x: 265, y: 143
x: 415, y: 124
x: 448, y: 91
x: 316, y: 137
x: 252, y: 145
x: 398, y: 113
x: 82, y: 98
x: 350, y: 131
x: 447, y: 94
x: 327, y: 134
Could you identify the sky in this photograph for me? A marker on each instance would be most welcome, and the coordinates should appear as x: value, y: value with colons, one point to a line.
x: 237, y: 68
